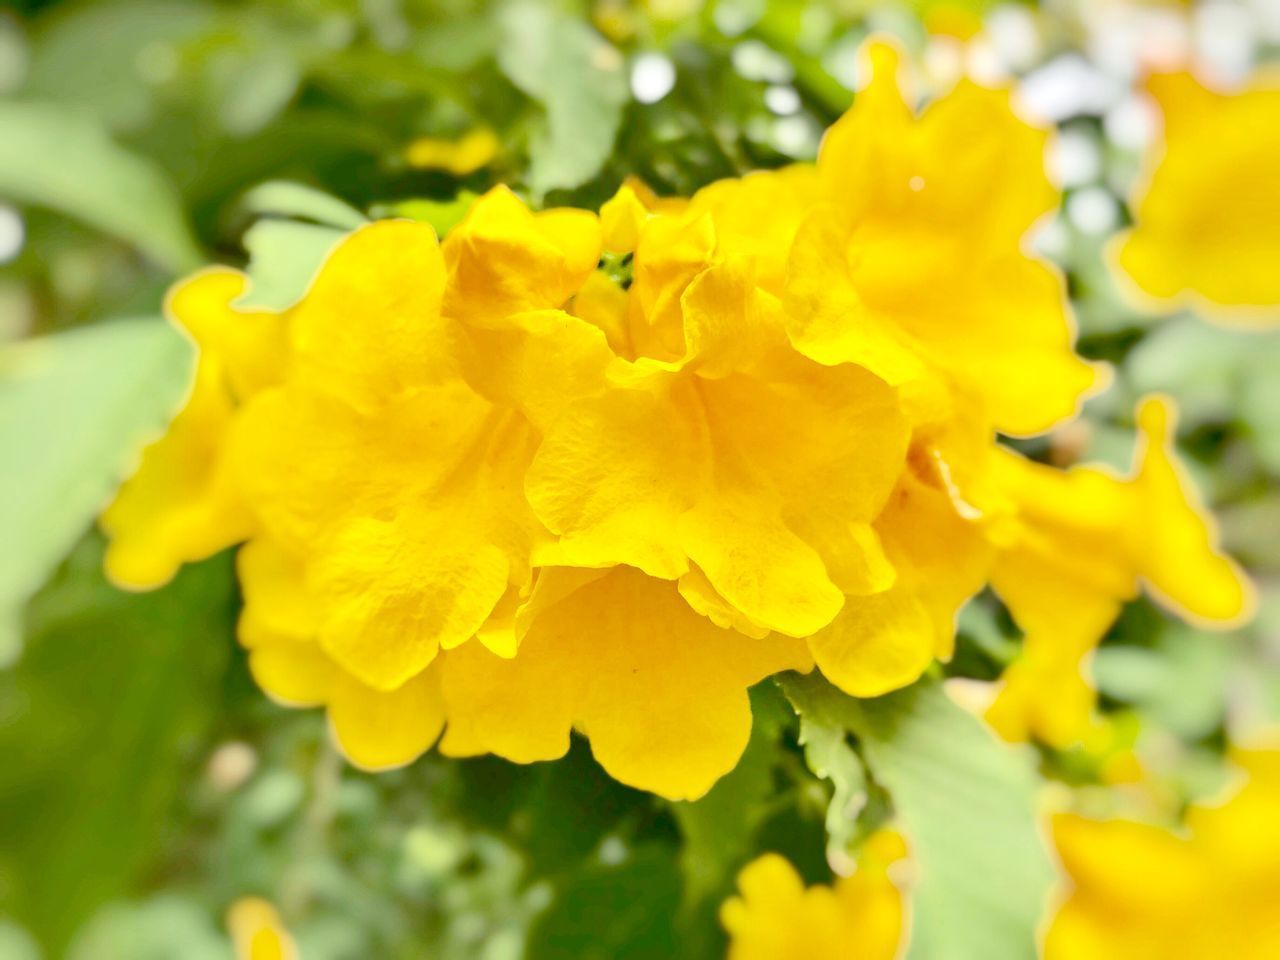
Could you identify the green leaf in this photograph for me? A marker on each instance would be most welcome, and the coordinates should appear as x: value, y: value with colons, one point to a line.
x: 284, y: 198
x: 284, y: 256
x: 443, y: 215
x: 719, y: 829
x: 578, y: 78
x: 102, y: 725
x: 161, y: 928
x: 55, y: 157
x: 965, y: 802
x: 609, y: 911
x: 829, y: 755
x: 74, y: 409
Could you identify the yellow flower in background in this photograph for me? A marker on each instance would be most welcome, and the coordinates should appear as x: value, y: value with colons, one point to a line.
x: 182, y: 504
x: 916, y: 268
x: 1205, y: 220
x: 775, y: 917
x: 1074, y: 546
x: 459, y: 157
x: 1142, y: 892
x: 257, y: 932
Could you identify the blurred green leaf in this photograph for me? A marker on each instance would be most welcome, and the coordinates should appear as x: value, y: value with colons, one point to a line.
x: 283, y: 198
x: 444, y: 215
x: 831, y: 757
x: 253, y: 89
x: 55, y: 157
x: 284, y: 256
x: 566, y: 66
x: 16, y: 943
x: 113, y: 58
x: 966, y: 804
x: 74, y: 408
x: 102, y: 723
x: 163, y: 928
x: 617, y: 911
x: 719, y: 830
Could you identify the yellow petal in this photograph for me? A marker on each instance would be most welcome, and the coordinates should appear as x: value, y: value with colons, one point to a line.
x: 614, y: 473
x: 936, y: 261
x: 393, y: 594
x: 776, y: 918
x: 1204, y: 232
x: 876, y: 644
x: 604, y: 304
x: 183, y: 503
x: 541, y: 363
x: 252, y: 347
x: 409, y: 545
x: 257, y: 931
x: 295, y: 673
x: 703, y: 598
x: 659, y: 691
x: 369, y: 330
x: 276, y: 600
x: 467, y: 154
x: 382, y: 729
x: 1175, y: 538
x: 504, y: 259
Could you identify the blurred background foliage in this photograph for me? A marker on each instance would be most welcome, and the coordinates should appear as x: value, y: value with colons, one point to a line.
x: 145, y: 784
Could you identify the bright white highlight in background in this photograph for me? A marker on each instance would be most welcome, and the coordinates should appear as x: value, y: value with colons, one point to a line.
x: 12, y: 233
x: 652, y: 77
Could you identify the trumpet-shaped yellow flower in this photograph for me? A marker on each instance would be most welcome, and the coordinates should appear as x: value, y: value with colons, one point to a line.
x: 182, y: 504
x: 660, y: 691
x: 1141, y: 892
x: 775, y: 917
x: 762, y: 468
x: 376, y: 460
x: 375, y: 729
x: 1205, y: 219
x: 916, y: 269
x: 1075, y: 547
x: 257, y: 932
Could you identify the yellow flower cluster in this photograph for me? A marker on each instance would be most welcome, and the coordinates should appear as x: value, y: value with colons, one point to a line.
x: 492, y: 488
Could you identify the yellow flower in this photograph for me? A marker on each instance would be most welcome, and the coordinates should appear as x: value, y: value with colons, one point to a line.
x: 1140, y: 892
x: 181, y: 504
x: 497, y: 489
x: 762, y: 468
x: 257, y: 932
x: 776, y: 918
x: 398, y: 482
x: 915, y: 267
x: 375, y: 729
x: 1205, y: 220
x: 1075, y: 546
x: 460, y: 157
x: 660, y: 691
